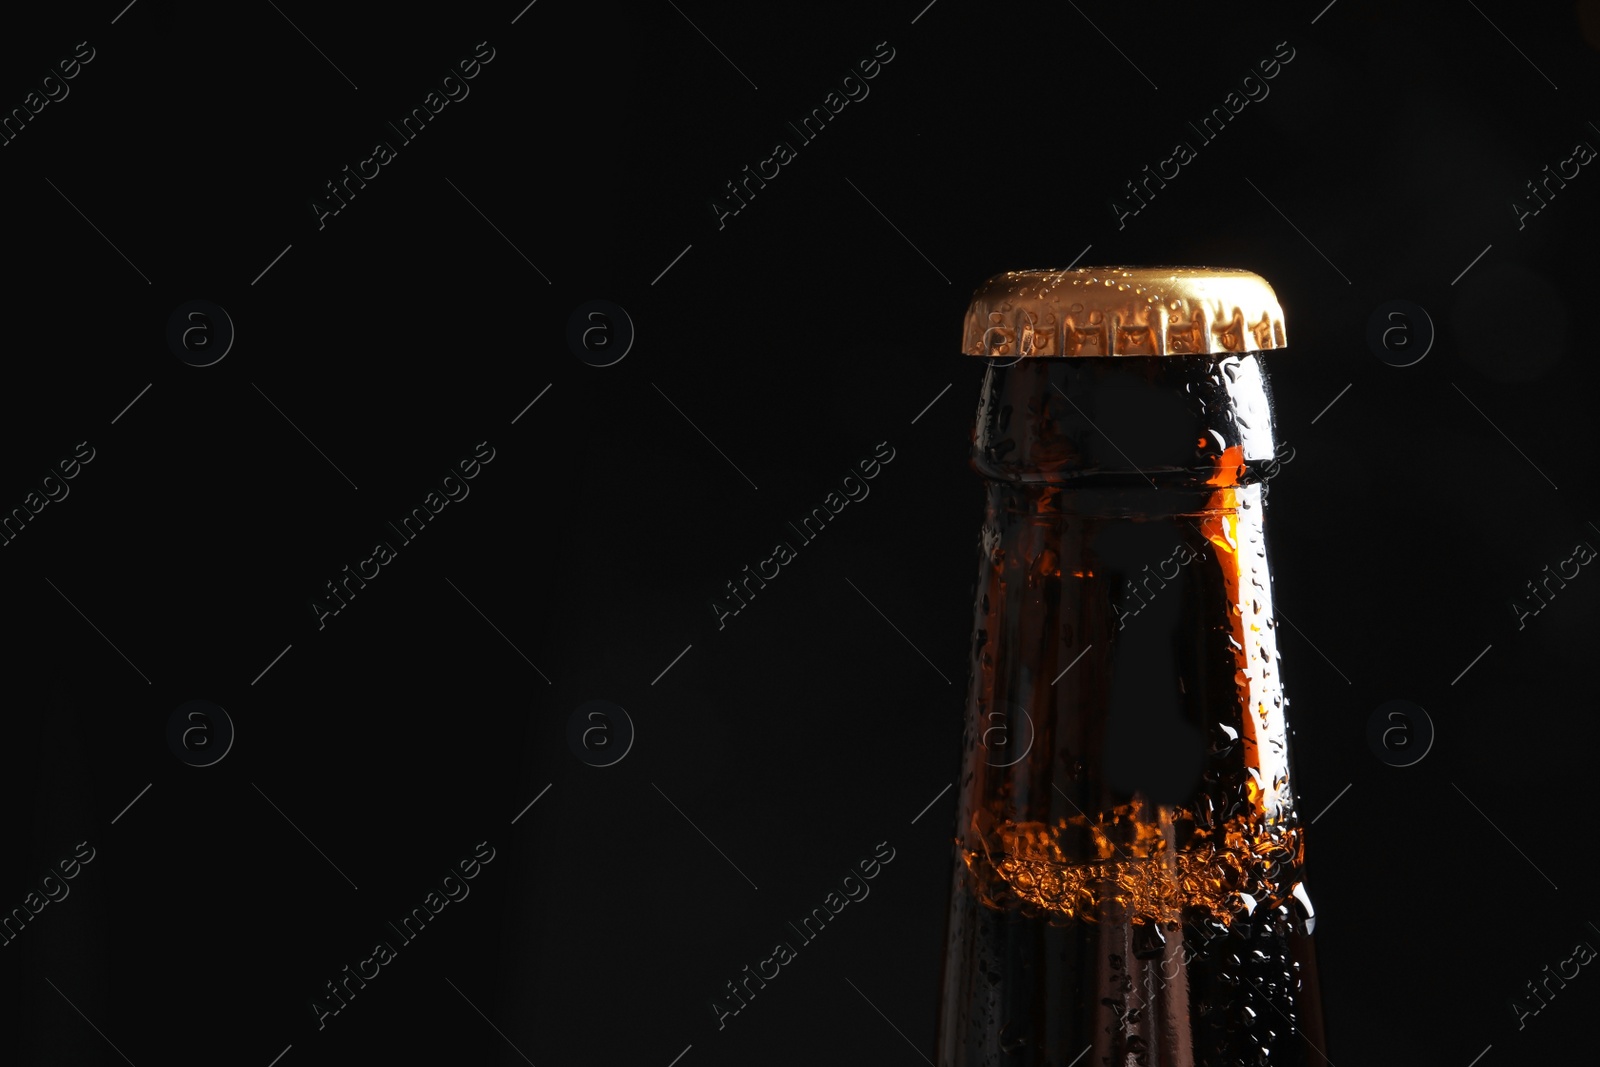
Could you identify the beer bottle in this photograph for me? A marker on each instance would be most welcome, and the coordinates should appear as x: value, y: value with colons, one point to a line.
x: 1127, y: 886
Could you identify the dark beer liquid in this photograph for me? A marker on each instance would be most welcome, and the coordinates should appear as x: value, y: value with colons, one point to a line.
x: 1127, y: 890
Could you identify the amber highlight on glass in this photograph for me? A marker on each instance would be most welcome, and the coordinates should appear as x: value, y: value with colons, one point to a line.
x: 1128, y: 879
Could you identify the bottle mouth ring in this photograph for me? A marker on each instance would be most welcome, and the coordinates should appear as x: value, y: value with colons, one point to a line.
x: 1205, y: 419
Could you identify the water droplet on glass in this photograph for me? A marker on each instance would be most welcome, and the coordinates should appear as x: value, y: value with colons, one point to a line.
x: 1149, y: 942
x: 1303, y: 911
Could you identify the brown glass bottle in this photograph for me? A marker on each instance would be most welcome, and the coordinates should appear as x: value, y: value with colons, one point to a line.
x: 1127, y: 888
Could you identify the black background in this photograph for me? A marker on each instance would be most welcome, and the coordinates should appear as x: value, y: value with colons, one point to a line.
x: 819, y: 321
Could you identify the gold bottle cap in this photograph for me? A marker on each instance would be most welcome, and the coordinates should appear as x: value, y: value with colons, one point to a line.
x: 1123, y: 311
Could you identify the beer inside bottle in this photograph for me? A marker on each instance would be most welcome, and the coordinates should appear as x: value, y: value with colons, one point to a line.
x: 1127, y: 887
